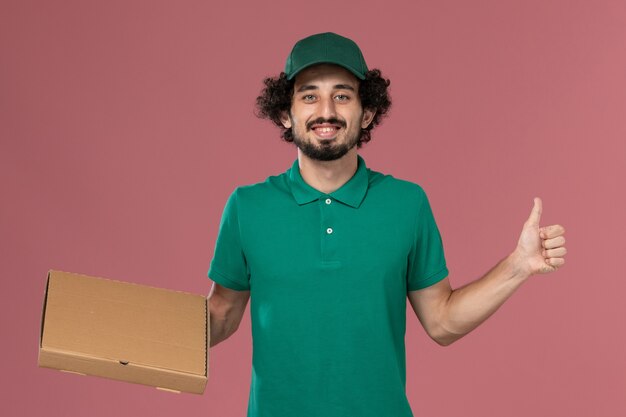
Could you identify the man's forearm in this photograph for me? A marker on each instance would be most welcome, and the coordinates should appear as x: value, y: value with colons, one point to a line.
x: 218, y: 330
x: 224, y: 320
x: 470, y: 305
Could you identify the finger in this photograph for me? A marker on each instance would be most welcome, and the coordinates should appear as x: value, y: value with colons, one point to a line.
x: 553, y: 243
x: 552, y: 231
x: 554, y: 253
x: 535, y: 214
x: 556, y: 262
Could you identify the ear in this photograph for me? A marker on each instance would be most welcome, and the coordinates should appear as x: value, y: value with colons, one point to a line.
x: 368, y: 116
x: 285, y: 120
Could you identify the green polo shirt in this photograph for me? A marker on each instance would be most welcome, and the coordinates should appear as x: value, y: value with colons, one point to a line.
x: 328, y: 276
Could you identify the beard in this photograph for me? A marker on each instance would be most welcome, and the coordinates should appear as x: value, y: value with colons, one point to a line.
x: 327, y: 150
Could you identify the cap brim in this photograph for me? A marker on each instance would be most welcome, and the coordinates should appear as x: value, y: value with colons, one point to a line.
x: 325, y: 61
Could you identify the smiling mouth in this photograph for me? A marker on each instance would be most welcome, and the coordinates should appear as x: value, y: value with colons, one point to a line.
x: 325, y: 131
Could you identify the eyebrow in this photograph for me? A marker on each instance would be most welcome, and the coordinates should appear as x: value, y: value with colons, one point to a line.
x: 307, y: 87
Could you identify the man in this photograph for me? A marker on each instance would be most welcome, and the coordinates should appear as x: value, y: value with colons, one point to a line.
x: 329, y: 251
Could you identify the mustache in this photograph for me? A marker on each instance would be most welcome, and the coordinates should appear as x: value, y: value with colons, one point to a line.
x: 321, y: 120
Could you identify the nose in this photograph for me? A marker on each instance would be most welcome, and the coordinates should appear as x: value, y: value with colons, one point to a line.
x: 327, y: 108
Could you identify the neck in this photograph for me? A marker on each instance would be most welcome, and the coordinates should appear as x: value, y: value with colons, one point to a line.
x: 328, y: 176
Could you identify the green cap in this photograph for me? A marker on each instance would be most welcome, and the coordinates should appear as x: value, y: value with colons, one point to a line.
x: 327, y: 48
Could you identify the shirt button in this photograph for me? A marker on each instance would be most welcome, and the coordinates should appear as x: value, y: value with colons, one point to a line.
x: 328, y: 201
x: 329, y: 230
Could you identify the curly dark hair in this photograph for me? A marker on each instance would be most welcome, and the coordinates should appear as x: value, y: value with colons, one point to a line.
x: 276, y: 97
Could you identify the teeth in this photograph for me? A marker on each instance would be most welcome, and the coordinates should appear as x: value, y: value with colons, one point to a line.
x: 325, y: 129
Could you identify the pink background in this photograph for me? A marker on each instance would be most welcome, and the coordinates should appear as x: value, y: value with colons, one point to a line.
x: 124, y: 126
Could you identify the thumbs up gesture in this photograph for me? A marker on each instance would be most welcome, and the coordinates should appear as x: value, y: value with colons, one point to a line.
x: 540, y: 250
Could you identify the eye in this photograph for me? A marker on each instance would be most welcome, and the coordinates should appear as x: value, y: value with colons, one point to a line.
x: 342, y: 97
x: 308, y: 97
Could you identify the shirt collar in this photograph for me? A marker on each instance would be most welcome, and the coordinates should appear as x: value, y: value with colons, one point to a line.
x: 351, y: 193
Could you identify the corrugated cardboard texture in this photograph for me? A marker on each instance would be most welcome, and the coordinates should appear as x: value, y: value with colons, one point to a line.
x: 125, y: 331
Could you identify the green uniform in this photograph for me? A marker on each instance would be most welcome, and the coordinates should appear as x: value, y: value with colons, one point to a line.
x: 328, y: 276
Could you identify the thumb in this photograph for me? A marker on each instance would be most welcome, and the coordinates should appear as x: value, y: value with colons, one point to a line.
x: 535, y: 214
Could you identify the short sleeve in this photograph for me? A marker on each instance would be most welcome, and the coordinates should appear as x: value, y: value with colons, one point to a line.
x: 426, y: 263
x: 229, y: 267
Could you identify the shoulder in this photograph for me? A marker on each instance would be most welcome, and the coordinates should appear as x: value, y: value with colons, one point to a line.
x: 273, y: 186
x: 392, y: 187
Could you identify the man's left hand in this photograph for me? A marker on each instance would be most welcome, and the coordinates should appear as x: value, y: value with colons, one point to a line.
x: 540, y: 250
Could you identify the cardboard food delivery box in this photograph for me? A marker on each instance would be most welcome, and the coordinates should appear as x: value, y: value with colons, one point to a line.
x: 125, y: 331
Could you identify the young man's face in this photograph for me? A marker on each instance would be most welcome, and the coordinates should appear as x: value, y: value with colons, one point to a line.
x: 326, y: 116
